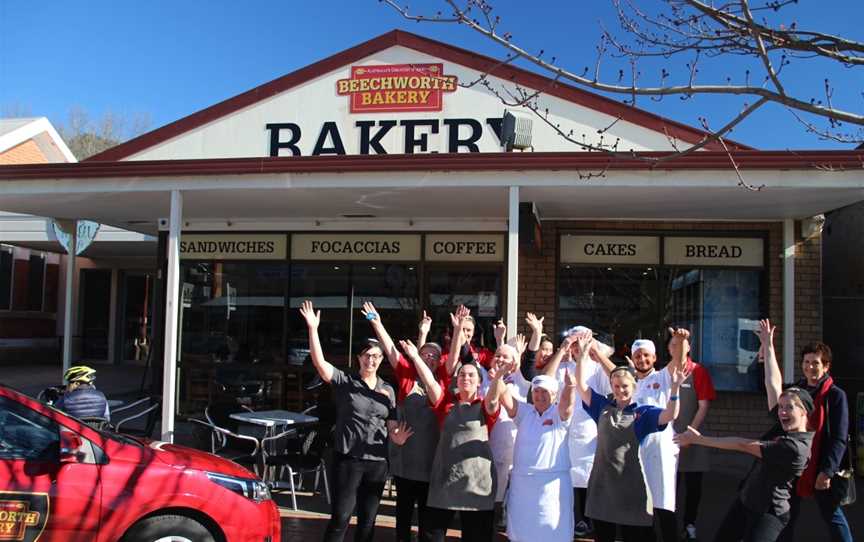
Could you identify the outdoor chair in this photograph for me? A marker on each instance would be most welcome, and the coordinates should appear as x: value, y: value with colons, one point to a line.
x: 98, y: 422
x: 305, y: 457
x: 146, y: 408
x: 242, y: 449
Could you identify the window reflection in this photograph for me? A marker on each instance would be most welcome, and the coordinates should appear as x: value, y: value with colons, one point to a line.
x: 477, y: 289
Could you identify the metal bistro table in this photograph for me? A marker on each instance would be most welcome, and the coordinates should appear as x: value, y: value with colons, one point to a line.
x: 271, y: 422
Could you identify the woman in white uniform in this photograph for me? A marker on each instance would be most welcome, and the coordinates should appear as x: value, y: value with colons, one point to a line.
x: 539, y: 502
x: 659, y: 453
x: 583, y: 430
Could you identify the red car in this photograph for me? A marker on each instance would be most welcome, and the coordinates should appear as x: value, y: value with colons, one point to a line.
x: 63, y: 480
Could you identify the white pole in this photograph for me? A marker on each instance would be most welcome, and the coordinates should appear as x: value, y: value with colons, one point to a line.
x: 70, y: 290
x: 513, y: 261
x: 788, y: 300
x: 172, y: 323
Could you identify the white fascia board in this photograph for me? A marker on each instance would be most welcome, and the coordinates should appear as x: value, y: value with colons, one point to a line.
x: 30, y: 131
x: 776, y: 179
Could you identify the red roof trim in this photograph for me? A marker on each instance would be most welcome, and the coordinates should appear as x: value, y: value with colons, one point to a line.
x: 424, y: 45
x: 585, y: 161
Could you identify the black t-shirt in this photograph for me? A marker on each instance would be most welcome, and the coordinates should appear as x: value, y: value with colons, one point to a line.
x: 772, y: 479
x: 361, y: 416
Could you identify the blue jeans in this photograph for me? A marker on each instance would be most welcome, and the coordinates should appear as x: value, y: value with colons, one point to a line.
x: 832, y: 515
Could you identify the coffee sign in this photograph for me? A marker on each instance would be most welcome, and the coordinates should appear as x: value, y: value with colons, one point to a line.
x: 714, y: 251
x: 465, y: 248
x: 396, y: 88
x: 610, y: 249
x: 346, y: 247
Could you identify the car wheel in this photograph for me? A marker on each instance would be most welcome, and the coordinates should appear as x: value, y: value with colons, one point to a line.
x: 168, y: 528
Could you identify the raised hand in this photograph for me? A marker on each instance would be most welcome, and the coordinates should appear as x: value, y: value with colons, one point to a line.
x: 409, y: 348
x: 629, y: 362
x: 521, y: 344
x: 536, y: 324
x: 766, y: 337
x: 456, y: 319
x: 369, y: 309
x: 313, y: 318
x: 583, y: 341
x: 680, y: 341
x: 425, y: 324
x: 500, y: 331
x: 678, y: 376
x: 569, y: 379
x: 400, y: 433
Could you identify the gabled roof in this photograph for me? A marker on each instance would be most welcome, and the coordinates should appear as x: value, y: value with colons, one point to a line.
x: 15, y: 131
x: 421, y: 44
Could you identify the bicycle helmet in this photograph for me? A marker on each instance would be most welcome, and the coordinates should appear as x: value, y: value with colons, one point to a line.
x: 80, y: 373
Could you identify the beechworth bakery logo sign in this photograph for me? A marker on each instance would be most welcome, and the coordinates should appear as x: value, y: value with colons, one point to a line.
x: 396, y: 88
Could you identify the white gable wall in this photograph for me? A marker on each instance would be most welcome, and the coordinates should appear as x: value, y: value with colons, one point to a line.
x: 244, y: 133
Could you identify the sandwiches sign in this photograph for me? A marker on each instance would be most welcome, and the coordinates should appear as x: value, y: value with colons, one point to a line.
x: 396, y: 88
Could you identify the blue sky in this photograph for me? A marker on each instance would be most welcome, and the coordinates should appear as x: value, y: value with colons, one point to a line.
x: 167, y: 59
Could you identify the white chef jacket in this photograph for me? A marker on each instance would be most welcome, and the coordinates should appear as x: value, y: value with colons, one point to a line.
x: 583, y: 430
x: 658, y: 452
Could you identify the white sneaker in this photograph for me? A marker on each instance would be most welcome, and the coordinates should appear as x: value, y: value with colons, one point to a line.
x: 691, y: 531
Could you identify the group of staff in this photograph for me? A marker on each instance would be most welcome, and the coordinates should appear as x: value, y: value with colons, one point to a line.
x: 477, y: 432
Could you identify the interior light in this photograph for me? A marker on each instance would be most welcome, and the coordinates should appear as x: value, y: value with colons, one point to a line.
x: 608, y: 269
x: 335, y: 268
x: 373, y: 268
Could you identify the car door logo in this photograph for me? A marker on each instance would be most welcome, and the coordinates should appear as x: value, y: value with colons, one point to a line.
x: 22, y: 515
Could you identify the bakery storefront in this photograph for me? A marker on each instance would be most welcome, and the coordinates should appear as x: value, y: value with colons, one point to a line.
x: 392, y: 172
x: 241, y: 332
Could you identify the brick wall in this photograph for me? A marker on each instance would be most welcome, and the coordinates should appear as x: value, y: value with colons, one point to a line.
x: 24, y: 153
x: 734, y: 413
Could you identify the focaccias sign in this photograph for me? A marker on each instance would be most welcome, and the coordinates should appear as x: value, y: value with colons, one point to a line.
x: 396, y: 88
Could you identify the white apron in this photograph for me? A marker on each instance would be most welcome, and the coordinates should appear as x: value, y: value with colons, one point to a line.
x: 658, y: 452
x: 540, y: 500
x: 583, y: 431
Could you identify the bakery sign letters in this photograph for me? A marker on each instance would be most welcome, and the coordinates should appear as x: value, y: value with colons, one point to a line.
x: 396, y: 88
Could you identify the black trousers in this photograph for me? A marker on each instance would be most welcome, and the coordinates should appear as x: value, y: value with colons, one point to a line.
x: 665, y: 525
x: 477, y: 526
x: 830, y: 512
x: 605, y: 532
x: 354, y: 482
x: 743, y: 524
x: 580, y: 498
x: 408, y: 494
x: 692, y: 482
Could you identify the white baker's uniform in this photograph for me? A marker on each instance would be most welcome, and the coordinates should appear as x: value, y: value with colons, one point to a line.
x: 658, y: 452
x: 540, y: 501
x: 583, y: 430
x: 503, y: 434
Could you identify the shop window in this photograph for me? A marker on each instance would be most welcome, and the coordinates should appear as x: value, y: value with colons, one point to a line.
x: 233, y: 313
x: 6, y: 255
x: 35, y: 282
x: 721, y: 307
x: 339, y: 291
x: 478, y: 289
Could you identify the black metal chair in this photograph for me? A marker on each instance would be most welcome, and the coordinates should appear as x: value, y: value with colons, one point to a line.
x: 303, y: 455
x: 242, y: 449
x: 147, y: 408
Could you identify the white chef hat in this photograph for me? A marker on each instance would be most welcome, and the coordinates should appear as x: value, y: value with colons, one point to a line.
x: 546, y: 382
x: 604, y: 348
x: 644, y: 344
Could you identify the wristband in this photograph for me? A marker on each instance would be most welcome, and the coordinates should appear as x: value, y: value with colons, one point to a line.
x: 673, y: 397
x: 371, y: 316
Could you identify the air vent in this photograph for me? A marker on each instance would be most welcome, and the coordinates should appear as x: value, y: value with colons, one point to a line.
x: 357, y: 216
